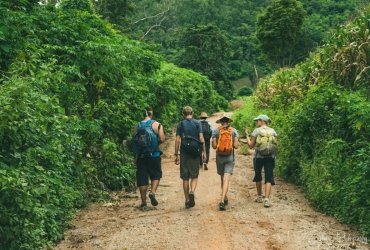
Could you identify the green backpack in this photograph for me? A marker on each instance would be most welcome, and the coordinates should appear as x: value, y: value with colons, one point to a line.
x: 266, y: 142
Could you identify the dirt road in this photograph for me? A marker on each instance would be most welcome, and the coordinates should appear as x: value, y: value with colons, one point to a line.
x: 290, y: 223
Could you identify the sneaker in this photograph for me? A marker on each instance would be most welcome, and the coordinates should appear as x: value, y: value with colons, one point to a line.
x: 259, y: 199
x: 187, y: 204
x: 191, y: 201
x: 222, y: 206
x: 152, y: 199
x: 226, y: 202
x: 205, y: 166
x: 143, y: 206
x: 267, y: 203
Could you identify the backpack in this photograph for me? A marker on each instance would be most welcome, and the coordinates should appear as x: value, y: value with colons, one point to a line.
x: 206, y: 130
x: 191, y: 145
x: 145, y: 141
x: 225, y: 141
x: 266, y: 142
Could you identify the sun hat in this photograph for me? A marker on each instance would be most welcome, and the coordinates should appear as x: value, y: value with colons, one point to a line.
x: 224, y: 117
x: 263, y: 118
x: 203, y: 115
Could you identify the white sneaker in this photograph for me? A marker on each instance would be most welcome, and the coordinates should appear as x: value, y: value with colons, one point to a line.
x: 259, y: 199
x: 267, y: 203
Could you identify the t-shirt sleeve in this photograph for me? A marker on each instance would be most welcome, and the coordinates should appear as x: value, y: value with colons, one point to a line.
x: 178, y: 130
x: 199, y: 125
x: 235, y: 133
x: 255, y: 133
x: 275, y: 134
x: 215, y: 133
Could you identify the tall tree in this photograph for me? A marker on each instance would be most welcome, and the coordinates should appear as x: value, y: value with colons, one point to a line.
x: 82, y: 5
x: 205, y: 49
x: 116, y: 12
x: 278, y: 30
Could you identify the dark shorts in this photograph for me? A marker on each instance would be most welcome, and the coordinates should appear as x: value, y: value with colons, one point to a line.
x: 148, y: 167
x: 268, y: 164
x: 189, y: 167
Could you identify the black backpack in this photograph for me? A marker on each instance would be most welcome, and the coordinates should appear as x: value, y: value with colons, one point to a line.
x: 206, y: 130
x: 191, y: 145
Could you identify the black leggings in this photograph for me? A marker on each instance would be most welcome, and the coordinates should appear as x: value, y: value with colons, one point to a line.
x: 269, y: 164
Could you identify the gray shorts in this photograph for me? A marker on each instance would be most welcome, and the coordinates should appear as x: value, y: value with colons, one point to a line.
x: 225, y: 164
x: 189, y: 167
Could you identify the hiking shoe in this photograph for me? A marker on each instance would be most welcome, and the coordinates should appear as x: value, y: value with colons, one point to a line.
x: 187, y: 204
x: 259, y: 199
x: 205, y: 166
x: 143, y: 206
x: 152, y: 199
x: 191, y: 201
x: 267, y: 203
x: 226, y: 202
x: 222, y: 206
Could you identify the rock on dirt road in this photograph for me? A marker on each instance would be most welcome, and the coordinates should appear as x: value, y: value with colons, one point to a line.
x: 290, y: 223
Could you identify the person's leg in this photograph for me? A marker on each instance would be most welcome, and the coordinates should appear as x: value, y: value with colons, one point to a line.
x: 142, y: 179
x: 267, y: 189
x: 154, y: 185
x: 193, y: 184
x: 143, y: 194
x: 258, y: 164
x: 185, y: 184
x: 225, y: 186
x: 259, y: 188
x: 269, y: 165
x: 208, y: 145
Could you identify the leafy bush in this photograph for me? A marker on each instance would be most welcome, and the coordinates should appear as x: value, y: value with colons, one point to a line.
x: 322, y: 116
x: 245, y: 91
x: 73, y: 91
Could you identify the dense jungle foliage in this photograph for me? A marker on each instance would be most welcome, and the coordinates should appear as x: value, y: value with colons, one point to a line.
x: 72, y: 89
x: 321, y: 112
x: 296, y: 32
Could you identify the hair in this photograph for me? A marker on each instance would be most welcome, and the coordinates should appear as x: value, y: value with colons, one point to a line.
x: 187, y: 111
x: 147, y: 111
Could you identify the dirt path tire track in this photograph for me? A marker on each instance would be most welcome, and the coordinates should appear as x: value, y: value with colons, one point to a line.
x: 289, y: 224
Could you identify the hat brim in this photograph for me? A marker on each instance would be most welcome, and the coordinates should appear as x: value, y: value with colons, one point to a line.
x: 219, y: 120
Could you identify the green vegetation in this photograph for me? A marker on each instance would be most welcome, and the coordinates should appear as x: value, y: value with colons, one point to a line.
x: 245, y: 91
x: 71, y: 91
x: 321, y: 113
x: 72, y: 87
x: 161, y: 22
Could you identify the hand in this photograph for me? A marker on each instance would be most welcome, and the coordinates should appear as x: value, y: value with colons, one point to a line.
x: 247, y: 132
x: 177, y: 160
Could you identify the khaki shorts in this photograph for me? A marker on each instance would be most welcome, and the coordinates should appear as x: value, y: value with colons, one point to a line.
x: 189, y: 167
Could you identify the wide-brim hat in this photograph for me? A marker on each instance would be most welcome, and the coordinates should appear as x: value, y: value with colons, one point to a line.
x: 224, y: 117
x: 203, y: 115
x: 263, y: 118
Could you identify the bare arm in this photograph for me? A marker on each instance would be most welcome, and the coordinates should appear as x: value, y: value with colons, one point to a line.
x: 158, y: 128
x: 214, y: 143
x: 177, y: 147
x: 201, y: 138
x: 251, y: 143
x: 236, y: 142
